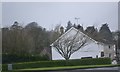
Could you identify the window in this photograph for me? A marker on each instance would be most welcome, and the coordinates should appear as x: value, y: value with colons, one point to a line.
x: 96, y: 56
x: 109, y: 55
x: 109, y: 47
x: 102, y: 54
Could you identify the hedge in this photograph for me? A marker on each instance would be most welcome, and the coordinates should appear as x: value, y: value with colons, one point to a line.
x: 14, y: 58
x: 57, y: 63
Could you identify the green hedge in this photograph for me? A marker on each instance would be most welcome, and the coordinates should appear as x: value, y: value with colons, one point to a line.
x: 57, y: 63
x: 14, y: 58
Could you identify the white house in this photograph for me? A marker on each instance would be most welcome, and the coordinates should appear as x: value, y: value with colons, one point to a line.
x: 93, y: 48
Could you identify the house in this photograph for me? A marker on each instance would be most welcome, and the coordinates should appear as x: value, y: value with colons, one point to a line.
x: 93, y: 48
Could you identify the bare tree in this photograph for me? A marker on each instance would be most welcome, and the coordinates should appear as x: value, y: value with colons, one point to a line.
x: 66, y: 46
x: 54, y: 34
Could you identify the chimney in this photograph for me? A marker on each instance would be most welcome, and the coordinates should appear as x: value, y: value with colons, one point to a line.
x: 61, y: 30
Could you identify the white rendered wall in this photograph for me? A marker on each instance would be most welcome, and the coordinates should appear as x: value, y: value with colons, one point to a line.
x: 91, y: 50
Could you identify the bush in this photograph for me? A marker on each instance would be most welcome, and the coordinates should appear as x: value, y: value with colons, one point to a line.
x: 57, y: 63
x: 13, y: 58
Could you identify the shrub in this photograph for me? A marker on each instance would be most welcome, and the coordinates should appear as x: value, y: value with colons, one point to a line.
x: 57, y: 63
x: 13, y: 58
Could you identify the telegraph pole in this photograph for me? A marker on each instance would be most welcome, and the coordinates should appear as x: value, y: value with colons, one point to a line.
x: 76, y: 18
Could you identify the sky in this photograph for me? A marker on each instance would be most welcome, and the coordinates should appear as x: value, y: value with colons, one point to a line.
x: 60, y: 0
x: 119, y: 16
x: 50, y: 14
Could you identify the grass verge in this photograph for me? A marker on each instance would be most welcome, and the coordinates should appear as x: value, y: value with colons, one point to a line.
x: 63, y: 68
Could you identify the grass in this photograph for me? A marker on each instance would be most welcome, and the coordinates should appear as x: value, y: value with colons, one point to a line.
x: 64, y: 68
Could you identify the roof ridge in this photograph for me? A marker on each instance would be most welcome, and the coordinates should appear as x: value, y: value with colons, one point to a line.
x: 81, y: 33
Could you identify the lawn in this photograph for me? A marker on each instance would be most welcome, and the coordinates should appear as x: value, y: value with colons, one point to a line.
x: 63, y: 68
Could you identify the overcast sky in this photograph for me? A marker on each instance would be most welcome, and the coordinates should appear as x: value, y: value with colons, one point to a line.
x: 49, y: 14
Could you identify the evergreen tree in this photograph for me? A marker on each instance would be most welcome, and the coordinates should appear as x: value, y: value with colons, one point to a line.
x: 92, y: 32
x: 69, y: 25
x: 105, y: 34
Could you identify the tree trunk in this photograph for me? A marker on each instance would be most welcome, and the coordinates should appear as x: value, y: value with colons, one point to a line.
x: 66, y: 58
